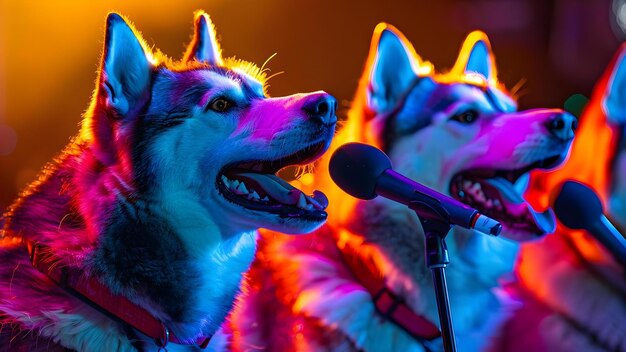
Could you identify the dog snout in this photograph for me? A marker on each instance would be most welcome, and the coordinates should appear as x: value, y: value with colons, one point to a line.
x: 321, y: 107
x: 562, y: 126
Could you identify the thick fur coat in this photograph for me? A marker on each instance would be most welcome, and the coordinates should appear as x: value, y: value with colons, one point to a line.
x: 456, y: 132
x: 154, y: 198
x: 573, y: 292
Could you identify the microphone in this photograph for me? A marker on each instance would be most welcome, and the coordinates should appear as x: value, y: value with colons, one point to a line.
x: 364, y: 172
x: 578, y: 207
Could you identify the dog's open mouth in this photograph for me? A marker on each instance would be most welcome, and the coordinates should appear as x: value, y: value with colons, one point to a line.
x: 254, y: 185
x: 498, y: 194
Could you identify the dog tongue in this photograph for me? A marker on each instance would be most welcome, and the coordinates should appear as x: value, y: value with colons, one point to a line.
x: 319, y: 198
x: 282, y: 192
x: 516, y: 205
x: 506, y: 190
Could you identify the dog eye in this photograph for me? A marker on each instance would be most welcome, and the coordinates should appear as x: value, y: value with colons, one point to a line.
x: 220, y: 104
x: 466, y: 117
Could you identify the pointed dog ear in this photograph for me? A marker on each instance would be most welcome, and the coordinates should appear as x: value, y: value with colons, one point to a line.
x: 204, y: 46
x: 476, y: 57
x: 391, y: 68
x: 614, y: 100
x: 126, y: 67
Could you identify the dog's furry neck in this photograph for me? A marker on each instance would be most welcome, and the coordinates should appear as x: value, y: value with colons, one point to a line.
x: 135, y: 247
x: 396, y: 231
x: 393, y: 237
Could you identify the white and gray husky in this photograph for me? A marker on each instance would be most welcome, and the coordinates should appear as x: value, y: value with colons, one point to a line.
x: 459, y: 133
x: 573, y: 290
x: 138, y: 233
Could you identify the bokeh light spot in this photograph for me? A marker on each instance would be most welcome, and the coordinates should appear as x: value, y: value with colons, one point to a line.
x: 307, y: 179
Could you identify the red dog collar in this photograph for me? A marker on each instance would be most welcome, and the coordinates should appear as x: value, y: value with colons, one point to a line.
x: 94, y: 293
x: 387, y: 303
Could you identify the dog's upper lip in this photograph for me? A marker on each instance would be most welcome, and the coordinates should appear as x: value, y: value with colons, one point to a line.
x: 303, y: 156
x: 512, y: 175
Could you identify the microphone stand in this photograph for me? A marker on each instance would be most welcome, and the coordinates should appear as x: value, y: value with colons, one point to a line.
x: 436, y: 228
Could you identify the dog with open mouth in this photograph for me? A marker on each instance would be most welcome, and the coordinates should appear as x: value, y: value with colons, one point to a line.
x: 360, y: 283
x: 572, y: 289
x: 136, y: 236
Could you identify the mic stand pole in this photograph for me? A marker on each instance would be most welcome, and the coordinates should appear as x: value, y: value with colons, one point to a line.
x: 436, y: 229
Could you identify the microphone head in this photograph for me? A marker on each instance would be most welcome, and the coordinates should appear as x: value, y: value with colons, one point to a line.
x: 577, y: 206
x: 355, y: 168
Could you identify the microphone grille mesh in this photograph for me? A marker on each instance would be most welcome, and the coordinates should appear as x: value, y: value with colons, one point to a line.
x: 577, y: 206
x: 356, y: 167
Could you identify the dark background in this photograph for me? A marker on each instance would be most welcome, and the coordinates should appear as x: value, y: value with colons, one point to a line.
x: 49, y: 52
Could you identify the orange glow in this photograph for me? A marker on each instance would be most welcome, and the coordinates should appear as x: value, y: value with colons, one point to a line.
x: 357, y: 127
x: 589, y: 163
x: 369, y: 252
x: 198, y: 16
x: 458, y: 70
x: 421, y: 67
x: 306, y: 179
x: 157, y: 58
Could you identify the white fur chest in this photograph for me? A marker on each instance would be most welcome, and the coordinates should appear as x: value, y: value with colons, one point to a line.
x: 221, y: 270
x: 219, y: 260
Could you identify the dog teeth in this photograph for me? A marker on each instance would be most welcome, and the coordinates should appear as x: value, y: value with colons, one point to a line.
x: 254, y: 196
x: 299, y: 199
x: 226, y: 181
x: 302, y: 202
x: 241, y: 189
x: 477, y: 192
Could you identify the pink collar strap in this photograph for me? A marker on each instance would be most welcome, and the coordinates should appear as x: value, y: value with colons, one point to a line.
x: 94, y: 293
x: 387, y: 303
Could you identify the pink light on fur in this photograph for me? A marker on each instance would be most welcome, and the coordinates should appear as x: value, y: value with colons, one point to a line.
x: 590, y: 163
x: 358, y: 126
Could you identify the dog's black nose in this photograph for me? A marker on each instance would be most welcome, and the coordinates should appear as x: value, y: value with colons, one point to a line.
x: 321, y: 107
x: 562, y: 126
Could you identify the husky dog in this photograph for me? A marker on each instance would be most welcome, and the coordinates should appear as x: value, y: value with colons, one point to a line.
x: 458, y: 133
x: 574, y: 292
x: 148, y: 217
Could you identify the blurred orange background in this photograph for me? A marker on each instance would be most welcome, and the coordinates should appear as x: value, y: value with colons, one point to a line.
x: 49, y: 52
